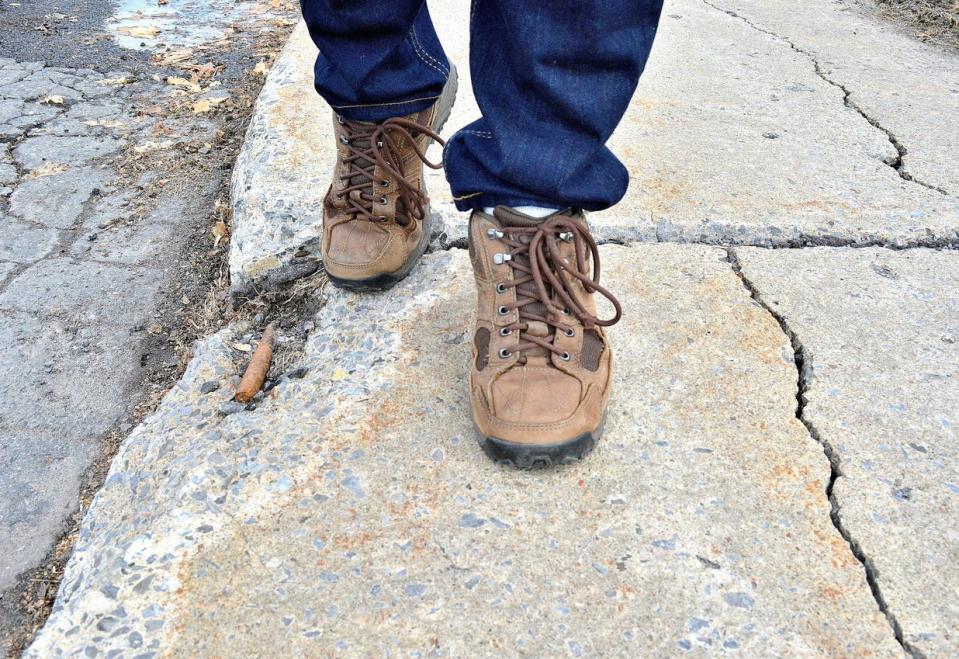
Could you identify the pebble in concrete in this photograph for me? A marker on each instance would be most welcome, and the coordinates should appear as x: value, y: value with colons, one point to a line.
x: 879, y: 332
x: 354, y: 510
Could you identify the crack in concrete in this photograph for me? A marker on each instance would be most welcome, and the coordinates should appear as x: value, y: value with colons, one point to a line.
x: 897, y: 163
x: 804, y: 371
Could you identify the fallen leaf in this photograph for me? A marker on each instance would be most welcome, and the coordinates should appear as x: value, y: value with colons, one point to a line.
x: 175, y: 56
x: 220, y: 232
x: 125, y: 80
x: 177, y: 81
x: 142, y: 32
x: 46, y: 169
x: 207, y: 104
x: 261, y: 68
x: 154, y: 328
x: 54, y: 99
x: 243, y: 347
x: 153, y: 146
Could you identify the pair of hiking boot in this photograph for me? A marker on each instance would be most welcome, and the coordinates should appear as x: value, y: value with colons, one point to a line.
x: 541, y: 366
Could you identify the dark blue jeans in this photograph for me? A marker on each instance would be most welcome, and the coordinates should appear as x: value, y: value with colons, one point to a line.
x: 552, y: 79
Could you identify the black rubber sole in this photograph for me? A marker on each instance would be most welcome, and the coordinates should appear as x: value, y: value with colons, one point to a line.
x: 387, y: 281
x: 539, y: 456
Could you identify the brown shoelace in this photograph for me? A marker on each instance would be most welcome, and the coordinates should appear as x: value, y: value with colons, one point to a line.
x: 378, y: 144
x: 545, y: 279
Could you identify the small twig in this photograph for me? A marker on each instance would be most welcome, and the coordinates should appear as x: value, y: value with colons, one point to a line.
x: 259, y: 366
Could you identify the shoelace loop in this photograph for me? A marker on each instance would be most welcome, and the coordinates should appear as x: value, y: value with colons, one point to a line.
x: 536, y: 254
x: 370, y: 145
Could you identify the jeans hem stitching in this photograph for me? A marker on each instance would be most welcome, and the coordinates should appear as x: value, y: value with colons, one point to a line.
x: 424, y: 56
x: 380, y: 105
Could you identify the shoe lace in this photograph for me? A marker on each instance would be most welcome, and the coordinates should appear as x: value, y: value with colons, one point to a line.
x: 370, y: 145
x: 543, y: 279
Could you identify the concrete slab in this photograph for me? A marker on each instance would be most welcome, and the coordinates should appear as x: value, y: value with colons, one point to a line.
x: 879, y: 332
x: 909, y: 88
x: 56, y: 384
x: 353, y: 511
x: 62, y: 287
x: 34, y: 516
x: 734, y: 136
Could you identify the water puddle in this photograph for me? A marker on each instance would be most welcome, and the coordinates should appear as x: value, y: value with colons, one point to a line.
x: 152, y: 26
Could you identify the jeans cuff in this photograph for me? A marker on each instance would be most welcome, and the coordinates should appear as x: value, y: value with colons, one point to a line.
x: 384, y: 111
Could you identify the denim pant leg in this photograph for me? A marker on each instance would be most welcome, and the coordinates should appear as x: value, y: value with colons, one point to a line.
x: 377, y: 59
x: 552, y: 80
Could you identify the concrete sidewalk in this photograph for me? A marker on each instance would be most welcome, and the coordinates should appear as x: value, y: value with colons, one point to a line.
x: 779, y: 475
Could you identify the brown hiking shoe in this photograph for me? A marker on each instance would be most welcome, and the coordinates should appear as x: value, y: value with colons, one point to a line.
x: 541, y: 370
x: 376, y: 216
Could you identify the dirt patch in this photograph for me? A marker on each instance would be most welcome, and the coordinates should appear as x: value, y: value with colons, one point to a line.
x: 197, y: 302
x: 935, y: 21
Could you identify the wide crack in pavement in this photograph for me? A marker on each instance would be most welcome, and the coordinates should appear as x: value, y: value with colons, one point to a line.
x: 802, y: 386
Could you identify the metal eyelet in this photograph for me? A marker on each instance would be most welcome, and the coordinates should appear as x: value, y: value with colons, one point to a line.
x: 569, y: 332
x: 494, y: 234
x: 382, y: 200
x: 500, y: 288
x: 504, y: 353
x: 505, y: 331
x: 385, y: 183
x: 566, y: 356
x: 500, y: 259
x: 503, y: 311
x: 379, y: 143
x: 566, y: 236
x: 339, y: 120
x: 566, y: 311
x: 344, y: 139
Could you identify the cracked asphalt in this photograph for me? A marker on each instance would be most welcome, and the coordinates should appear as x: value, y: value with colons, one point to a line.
x: 111, y: 179
x: 779, y: 474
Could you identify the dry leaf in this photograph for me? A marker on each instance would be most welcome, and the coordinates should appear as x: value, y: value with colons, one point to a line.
x: 125, y: 80
x: 153, y: 146
x: 154, y: 328
x: 261, y: 68
x: 139, y: 31
x: 176, y: 56
x: 46, y: 169
x: 243, y: 347
x: 207, y: 104
x: 177, y: 81
x: 54, y: 99
x: 220, y: 232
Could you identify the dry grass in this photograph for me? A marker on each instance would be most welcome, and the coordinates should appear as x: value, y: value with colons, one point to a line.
x: 933, y: 20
